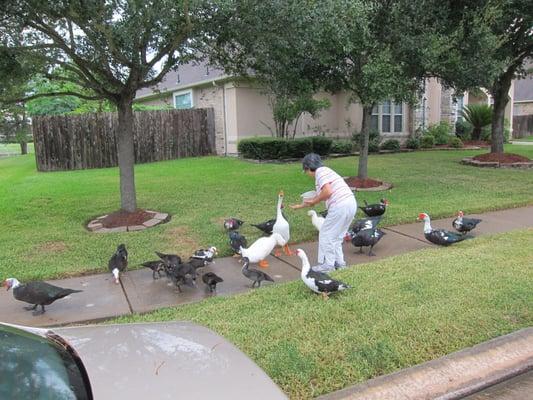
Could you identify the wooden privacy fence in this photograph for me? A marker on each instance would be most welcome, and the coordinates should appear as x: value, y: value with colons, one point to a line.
x: 522, y: 126
x: 67, y: 142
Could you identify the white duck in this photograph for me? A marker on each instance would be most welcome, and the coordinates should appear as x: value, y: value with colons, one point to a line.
x: 316, y: 220
x: 282, y: 227
x: 318, y: 282
x: 261, y: 248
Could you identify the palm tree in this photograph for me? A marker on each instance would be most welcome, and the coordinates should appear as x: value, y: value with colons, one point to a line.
x: 477, y: 115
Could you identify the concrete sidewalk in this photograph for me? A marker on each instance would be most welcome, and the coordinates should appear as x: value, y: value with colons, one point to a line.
x: 139, y: 293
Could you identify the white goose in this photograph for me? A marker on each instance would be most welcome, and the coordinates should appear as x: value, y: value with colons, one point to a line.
x: 261, y: 248
x: 282, y: 227
x: 318, y: 282
x: 316, y: 220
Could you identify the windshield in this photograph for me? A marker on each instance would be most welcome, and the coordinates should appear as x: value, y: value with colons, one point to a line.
x: 39, y: 368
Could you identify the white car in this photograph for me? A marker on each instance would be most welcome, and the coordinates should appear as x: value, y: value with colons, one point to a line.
x: 170, y: 360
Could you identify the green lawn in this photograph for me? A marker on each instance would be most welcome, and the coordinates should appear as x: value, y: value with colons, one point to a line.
x: 43, y: 214
x: 401, y: 311
x: 525, y: 139
x: 13, y: 148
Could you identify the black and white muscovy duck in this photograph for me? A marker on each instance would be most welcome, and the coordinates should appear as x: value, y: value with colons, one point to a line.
x: 375, y: 210
x: 231, y: 224
x: 266, y: 227
x: 364, y: 238
x: 236, y: 241
x: 464, y: 225
x: 118, y: 262
x: 318, y: 282
x: 211, y: 279
x: 365, y: 223
x: 37, y: 293
x: 441, y: 237
x: 324, y: 213
x: 254, y: 274
x: 169, y: 259
x: 155, y: 266
x: 206, y: 254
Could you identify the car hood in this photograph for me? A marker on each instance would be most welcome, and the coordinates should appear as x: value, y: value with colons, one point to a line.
x: 166, y: 361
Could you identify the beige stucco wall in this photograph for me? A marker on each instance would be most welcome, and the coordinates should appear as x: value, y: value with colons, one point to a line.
x: 525, y: 108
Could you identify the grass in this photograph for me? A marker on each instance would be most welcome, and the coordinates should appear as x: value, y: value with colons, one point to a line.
x: 402, y: 311
x: 525, y: 139
x: 43, y: 214
x: 14, y: 149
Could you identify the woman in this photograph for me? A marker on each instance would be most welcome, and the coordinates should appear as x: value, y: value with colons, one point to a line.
x: 341, y: 205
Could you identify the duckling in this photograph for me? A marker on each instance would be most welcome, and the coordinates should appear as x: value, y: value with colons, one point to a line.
x: 155, y: 266
x: 316, y: 220
x: 253, y: 274
x: 211, y: 279
x: 169, y: 259
x: 261, y: 248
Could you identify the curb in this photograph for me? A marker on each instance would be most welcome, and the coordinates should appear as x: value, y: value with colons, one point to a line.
x: 453, y: 376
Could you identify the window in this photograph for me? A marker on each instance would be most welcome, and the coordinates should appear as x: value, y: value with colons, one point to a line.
x: 459, y: 104
x: 387, y: 117
x: 183, y: 100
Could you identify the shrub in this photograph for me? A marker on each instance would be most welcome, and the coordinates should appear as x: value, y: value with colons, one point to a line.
x: 342, y: 147
x: 262, y: 148
x: 299, y: 147
x: 390, y: 144
x: 270, y: 148
x: 479, y: 116
x: 486, y: 134
x: 441, y: 132
x: 373, y: 146
x: 455, y: 142
x: 463, y: 130
x: 427, y: 142
x: 413, y: 143
x: 321, y: 145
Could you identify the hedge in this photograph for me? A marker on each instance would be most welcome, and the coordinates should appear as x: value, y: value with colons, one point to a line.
x: 271, y: 148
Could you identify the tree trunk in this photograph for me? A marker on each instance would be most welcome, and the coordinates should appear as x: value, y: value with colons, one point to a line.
x: 362, y: 171
x: 500, y: 92
x: 126, y: 156
x: 476, y: 133
x: 23, y: 148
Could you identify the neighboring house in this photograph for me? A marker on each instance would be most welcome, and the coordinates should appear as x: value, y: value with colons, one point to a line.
x: 242, y: 109
x: 523, y: 106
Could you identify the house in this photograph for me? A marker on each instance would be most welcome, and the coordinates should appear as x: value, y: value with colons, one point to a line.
x: 242, y: 109
x: 523, y: 106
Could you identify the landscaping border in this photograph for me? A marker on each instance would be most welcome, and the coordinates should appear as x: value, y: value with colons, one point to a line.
x: 496, y: 164
x: 96, y: 226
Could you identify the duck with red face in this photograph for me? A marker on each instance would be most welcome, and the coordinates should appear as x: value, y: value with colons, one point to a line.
x: 441, y: 237
x: 464, y: 225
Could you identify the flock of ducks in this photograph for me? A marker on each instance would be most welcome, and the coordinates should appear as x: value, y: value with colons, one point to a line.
x: 362, y: 233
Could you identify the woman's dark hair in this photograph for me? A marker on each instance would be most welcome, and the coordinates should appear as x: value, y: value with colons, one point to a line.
x: 311, y: 162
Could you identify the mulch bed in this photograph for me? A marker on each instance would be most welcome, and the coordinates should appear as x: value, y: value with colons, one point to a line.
x: 124, y: 218
x: 366, y: 183
x: 502, y: 158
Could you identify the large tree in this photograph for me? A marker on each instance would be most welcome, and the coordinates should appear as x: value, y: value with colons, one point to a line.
x: 469, y: 44
x: 109, y: 47
x: 266, y: 42
x: 357, y: 55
